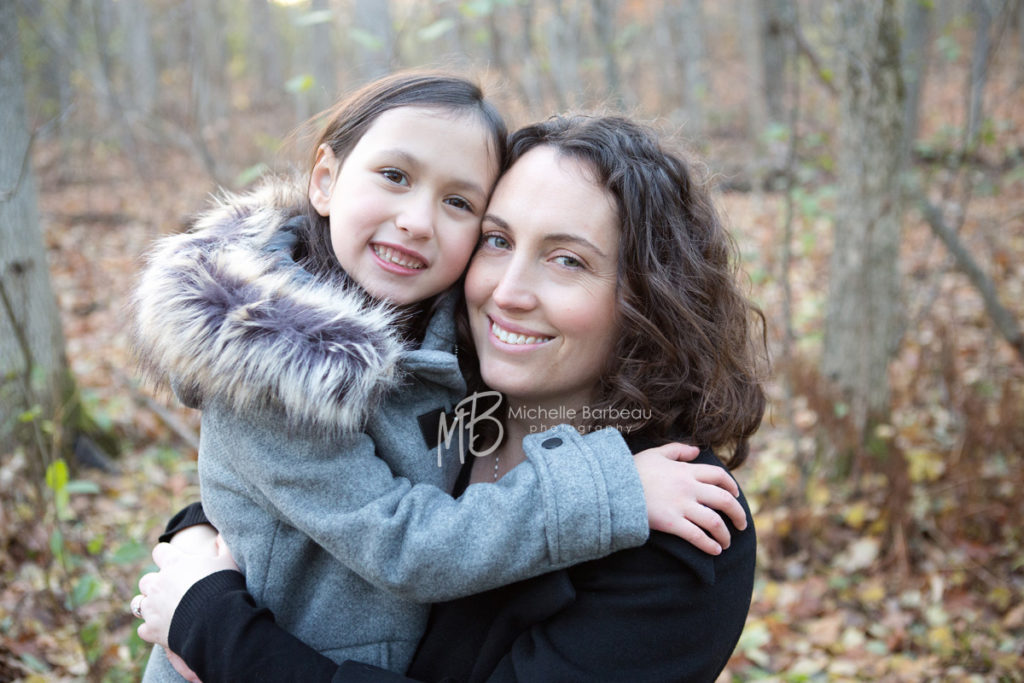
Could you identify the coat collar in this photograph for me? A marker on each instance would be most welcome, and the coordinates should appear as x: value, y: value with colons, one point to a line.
x: 223, y: 312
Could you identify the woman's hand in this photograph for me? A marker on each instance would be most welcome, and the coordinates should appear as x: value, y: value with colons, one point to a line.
x: 163, y: 590
x: 684, y: 499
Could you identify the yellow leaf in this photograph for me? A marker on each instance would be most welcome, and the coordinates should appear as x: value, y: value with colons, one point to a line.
x: 940, y: 638
x: 856, y: 514
x: 925, y: 465
x: 872, y: 592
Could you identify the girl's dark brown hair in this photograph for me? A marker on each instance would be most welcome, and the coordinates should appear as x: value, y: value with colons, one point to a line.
x: 349, y: 119
x: 687, y: 358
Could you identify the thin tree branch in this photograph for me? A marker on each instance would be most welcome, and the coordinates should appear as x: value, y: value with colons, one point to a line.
x: 807, y: 51
x: 1005, y: 321
x: 5, y: 195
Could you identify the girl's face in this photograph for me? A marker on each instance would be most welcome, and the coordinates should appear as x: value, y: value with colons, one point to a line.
x: 541, y: 290
x: 405, y: 205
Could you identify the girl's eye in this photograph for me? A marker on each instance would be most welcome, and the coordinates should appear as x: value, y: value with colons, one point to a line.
x: 459, y: 203
x: 395, y: 176
x: 568, y: 261
x: 495, y: 242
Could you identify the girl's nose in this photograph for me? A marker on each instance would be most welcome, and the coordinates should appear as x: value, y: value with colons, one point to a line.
x: 416, y: 217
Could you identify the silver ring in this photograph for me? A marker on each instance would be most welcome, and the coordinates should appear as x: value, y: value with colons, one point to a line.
x: 136, y: 606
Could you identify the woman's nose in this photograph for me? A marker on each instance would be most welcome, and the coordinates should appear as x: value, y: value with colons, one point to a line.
x: 515, y: 288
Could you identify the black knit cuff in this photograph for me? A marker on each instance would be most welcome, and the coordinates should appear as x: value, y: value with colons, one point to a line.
x: 189, y: 516
x: 197, y: 600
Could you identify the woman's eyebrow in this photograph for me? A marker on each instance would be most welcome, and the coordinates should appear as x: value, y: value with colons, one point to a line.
x: 576, y: 239
x: 500, y: 222
x: 461, y: 184
x: 553, y: 237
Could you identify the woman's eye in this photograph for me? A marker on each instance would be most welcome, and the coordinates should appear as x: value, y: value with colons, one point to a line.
x: 568, y: 261
x: 395, y: 176
x: 495, y: 241
x: 459, y: 203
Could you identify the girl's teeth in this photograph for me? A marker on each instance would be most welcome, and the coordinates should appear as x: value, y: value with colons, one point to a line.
x: 513, y: 338
x: 392, y: 256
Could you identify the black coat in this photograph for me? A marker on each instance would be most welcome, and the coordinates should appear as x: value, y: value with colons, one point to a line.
x: 662, y: 612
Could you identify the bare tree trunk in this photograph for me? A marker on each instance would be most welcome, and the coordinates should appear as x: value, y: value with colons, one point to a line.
x: 690, y: 53
x: 757, y: 114
x: 33, y: 370
x: 209, y: 63
x: 323, y: 57
x: 1019, y: 80
x: 529, y: 74
x: 265, y: 54
x: 776, y: 28
x: 982, y: 15
x: 376, y: 49
x: 564, y: 52
x: 138, y: 59
x: 914, y: 55
x: 605, y: 12
x: 863, y: 311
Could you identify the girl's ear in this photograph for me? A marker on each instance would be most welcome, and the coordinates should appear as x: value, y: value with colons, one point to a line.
x: 321, y: 180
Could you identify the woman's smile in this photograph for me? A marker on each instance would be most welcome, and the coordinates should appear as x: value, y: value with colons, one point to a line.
x: 512, y: 335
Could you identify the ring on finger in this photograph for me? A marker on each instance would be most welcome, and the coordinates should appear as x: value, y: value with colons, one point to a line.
x: 136, y: 606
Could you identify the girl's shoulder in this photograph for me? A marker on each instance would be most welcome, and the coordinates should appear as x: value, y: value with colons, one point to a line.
x: 224, y: 312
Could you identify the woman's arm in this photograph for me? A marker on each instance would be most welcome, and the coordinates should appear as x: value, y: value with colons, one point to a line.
x: 661, y: 612
x: 198, y: 607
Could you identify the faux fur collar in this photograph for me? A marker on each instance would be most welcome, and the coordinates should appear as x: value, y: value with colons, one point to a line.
x: 223, y: 312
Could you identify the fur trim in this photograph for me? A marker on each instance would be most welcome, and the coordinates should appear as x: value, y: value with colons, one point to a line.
x: 220, y: 316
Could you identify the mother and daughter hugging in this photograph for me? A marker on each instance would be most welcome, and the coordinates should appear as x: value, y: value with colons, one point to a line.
x: 378, y: 350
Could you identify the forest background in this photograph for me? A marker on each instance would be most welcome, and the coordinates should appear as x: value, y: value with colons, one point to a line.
x: 869, y: 157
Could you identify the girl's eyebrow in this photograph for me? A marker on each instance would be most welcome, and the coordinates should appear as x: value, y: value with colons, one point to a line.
x: 552, y: 237
x: 461, y: 184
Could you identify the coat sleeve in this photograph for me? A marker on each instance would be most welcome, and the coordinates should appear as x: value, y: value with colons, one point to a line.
x: 665, y: 612
x: 190, y: 515
x: 223, y: 635
x: 575, y: 499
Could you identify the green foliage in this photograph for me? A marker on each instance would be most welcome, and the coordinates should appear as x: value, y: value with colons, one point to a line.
x: 300, y: 84
x: 366, y: 39
x: 314, y: 18
x: 429, y: 34
x: 251, y: 174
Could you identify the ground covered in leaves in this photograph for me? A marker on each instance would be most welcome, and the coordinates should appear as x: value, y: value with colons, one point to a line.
x: 852, y: 584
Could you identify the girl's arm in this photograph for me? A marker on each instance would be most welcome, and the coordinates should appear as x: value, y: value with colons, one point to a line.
x: 576, y: 498
x: 221, y: 633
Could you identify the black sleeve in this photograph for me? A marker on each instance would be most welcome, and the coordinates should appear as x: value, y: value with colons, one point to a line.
x: 191, y: 515
x: 642, y: 618
x: 223, y: 636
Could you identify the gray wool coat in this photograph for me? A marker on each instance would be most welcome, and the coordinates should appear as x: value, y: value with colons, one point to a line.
x: 318, y: 460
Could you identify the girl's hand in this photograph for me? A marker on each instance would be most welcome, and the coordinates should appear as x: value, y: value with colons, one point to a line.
x: 163, y: 590
x: 684, y: 499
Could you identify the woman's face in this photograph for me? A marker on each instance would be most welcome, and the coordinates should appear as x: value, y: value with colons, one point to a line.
x: 540, y: 290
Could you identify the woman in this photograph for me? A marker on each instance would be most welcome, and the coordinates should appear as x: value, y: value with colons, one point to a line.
x: 604, y: 291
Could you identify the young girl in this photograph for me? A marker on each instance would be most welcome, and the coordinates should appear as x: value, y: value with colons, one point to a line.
x: 314, y: 327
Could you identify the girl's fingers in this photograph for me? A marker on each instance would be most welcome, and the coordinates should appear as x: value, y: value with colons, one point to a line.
x: 690, y: 532
x: 723, y: 501
x: 710, y: 474
x: 710, y: 521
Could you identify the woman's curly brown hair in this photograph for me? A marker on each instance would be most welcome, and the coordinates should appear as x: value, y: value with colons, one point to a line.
x: 687, y: 358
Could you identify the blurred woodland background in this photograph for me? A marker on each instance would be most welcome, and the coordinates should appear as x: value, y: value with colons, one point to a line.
x: 869, y: 156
